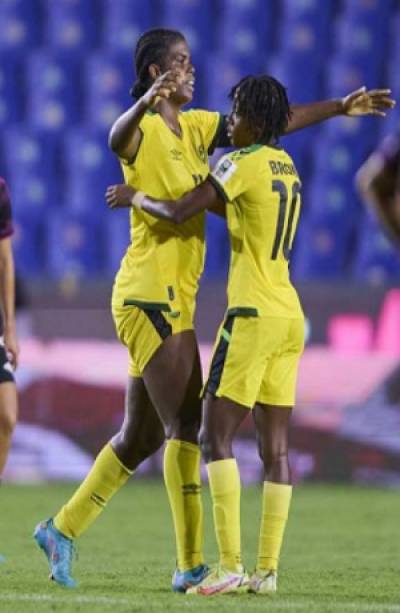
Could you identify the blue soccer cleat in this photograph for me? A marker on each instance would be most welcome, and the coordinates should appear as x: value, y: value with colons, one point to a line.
x: 182, y: 581
x: 59, y: 550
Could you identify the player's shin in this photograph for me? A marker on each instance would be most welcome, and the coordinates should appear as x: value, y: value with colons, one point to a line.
x: 105, y: 478
x: 224, y: 479
x: 275, y: 510
x: 182, y: 480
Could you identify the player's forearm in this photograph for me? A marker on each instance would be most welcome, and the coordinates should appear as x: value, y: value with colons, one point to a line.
x: 7, y: 290
x: 191, y: 204
x: 304, y: 115
x: 125, y: 128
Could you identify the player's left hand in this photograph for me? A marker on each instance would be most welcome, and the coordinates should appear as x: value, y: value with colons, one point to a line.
x: 368, y: 102
x: 119, y: 196
x: 11, y: 345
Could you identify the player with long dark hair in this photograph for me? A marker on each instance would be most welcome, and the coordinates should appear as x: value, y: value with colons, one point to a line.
x: 164, y: 152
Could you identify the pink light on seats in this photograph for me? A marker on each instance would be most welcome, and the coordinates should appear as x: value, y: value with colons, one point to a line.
x: 388, y: 334
x: 351, y: 333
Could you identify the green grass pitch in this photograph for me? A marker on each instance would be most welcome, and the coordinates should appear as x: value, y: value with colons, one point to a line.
x: 341, y: 553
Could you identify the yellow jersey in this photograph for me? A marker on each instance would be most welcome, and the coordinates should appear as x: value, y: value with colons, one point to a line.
x: 262, y: 188
x: 164, y: 262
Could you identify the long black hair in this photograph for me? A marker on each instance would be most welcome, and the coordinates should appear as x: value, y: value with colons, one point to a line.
x: 151, y: 48
x: 263, y: 102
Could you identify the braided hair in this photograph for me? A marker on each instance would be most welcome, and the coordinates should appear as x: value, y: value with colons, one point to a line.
x: 262, y: 101
x: 151, y: 48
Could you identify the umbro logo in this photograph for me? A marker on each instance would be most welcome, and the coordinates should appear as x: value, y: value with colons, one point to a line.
x: 176, y: 155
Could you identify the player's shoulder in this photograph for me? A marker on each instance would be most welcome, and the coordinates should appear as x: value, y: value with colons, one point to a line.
x: 149, y: 120
x: 200, y: 116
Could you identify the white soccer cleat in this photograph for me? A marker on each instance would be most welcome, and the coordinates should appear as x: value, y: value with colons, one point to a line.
x: 221, y: 580
x: 264, y: 582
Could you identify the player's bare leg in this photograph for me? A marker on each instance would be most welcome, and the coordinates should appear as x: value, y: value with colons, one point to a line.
x: 272, y: 426
x: 221, y: 420
x: 140, y: 436
x: 8, y: 419
x: 173, y: 379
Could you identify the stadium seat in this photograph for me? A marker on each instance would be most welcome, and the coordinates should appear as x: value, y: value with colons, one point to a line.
x: 11, y: 91
x: 21, y: 22
x: 32, y: 169
x: 217, y: 260
x: 71, y: 26
x: 193, y: 19
x: 90, y: 167
x: 29, y: 243
x: 377, y: 260
x: 116, y: 232
x: 124, y: 21
x: 222, y: 75
x: 106, y: 80
x: 54, y: 96
x: 321, y: 251
x: 75, y: 245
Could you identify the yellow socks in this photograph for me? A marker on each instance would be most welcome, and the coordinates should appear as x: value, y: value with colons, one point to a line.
x: 224, y: 479
x: 275, y: 510
x: 105, y: 478
x: 182, y: 480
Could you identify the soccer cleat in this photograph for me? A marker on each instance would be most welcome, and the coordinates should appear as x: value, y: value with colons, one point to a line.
x: 59, y: 550
x: 181, y: 581
x: 221, y: 580
x: 264, y: 582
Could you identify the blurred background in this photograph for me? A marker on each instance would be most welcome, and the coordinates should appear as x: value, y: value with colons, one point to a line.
x: 65, y: 71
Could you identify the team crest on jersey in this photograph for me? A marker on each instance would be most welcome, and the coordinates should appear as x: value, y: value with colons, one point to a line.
x: 176, y: 155
x: 225, y: 170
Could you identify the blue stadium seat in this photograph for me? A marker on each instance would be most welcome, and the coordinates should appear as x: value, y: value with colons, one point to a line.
x: 72, y: 25
x: 363, y: 45
x: 377, y: 260
x: 117, y: 238
x: 217, y: 260
x: 30, y: 158
x: 124, y: 21
x: 344, y: 75
x: 90, y: 167
x: 29, y: 243
x: 20, y: 26
x: 53, y: 89
x: 106, y: 78
x: 11, y: 91
x: 75, y: 245
x: 193, y: 20
x: 222, y: 75
x: 300, y: 74
x: 245, y: 33
x: 320, y: 251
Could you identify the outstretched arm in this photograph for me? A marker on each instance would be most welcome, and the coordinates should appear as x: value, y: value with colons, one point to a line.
x: 357, y: 103
x: 203, y: 197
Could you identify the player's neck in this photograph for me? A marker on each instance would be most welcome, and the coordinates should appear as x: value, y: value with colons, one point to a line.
x: 170, y: 114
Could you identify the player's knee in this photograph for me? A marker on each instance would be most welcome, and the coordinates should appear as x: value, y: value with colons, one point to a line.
x: 214, y: 447
x: 8, y: 420
x: 273, y: 457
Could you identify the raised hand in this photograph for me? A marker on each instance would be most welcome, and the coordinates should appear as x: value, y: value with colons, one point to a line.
x: 161, y: 88
x: 368, y: 102
x: 119, y: 196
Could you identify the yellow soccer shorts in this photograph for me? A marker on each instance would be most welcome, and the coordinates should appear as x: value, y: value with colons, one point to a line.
x: 142, y: 327
x: 256, y: 359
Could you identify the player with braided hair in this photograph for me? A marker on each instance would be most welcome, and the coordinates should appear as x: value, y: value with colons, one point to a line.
x: 164, y: 152
x: 260, y: 342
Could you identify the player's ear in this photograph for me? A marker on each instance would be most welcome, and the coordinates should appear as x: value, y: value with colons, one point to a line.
x: 154, y: 71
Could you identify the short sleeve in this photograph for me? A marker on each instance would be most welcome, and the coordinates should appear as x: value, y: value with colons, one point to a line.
x: 230, y: 178
x: 209, y: 124
x: 6, y: 226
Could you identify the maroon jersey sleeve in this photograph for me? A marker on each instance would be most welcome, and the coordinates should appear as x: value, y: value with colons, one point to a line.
x: 6, y: 226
